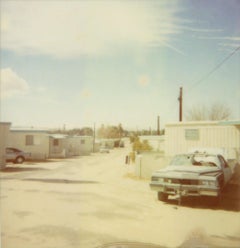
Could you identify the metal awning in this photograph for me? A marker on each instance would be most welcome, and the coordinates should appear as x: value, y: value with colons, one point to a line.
x: 229, y: 123
x: 58, y: 136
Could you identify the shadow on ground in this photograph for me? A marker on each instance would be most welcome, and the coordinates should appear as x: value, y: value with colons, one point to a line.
x: 21, y: 169
x: 56, y: 180
x: 197, y: 238
x: 130, y: 245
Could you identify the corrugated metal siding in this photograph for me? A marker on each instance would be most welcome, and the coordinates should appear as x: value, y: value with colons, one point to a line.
x: 4, y: 135
x: 40, y: 146
x: 227, y: 137
x: 210, y: 135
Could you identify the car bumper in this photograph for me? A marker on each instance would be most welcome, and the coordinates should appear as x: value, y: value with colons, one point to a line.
x: 185, y: 190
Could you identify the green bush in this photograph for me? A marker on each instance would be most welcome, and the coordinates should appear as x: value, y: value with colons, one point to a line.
x: 139, y: 146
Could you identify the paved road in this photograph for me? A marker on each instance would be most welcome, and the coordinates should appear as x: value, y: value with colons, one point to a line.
x: 94, y: 200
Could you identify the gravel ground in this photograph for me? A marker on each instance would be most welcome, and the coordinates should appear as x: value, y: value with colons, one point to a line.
x: 96, y: 201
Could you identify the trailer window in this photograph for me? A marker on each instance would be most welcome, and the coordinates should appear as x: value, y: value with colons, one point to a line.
x: 29, y: 140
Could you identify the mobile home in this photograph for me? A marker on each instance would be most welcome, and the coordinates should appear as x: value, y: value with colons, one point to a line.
x: 182, y: 136
x: 4, y: 136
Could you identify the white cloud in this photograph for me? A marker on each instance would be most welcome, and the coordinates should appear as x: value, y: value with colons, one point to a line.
x: 74, y: 28
x: 230, y: 38
x: 201, y: 30
x: 12, y: 84
x: 229, y: 42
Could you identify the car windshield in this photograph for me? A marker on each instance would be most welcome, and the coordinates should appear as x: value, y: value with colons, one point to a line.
x: 10, y: 149
x: 194, y: 160
x: 182, y: 160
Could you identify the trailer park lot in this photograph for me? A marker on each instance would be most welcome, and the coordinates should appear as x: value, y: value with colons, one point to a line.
x: 91, y: 201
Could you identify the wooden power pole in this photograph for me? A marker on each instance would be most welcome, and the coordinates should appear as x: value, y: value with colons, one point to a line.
x: 180, y: 104
x: 158, y: 125
x: 94, y: 136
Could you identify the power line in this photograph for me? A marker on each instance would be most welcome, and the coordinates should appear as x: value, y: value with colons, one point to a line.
x: 215, y: 68
x: 209, y: 73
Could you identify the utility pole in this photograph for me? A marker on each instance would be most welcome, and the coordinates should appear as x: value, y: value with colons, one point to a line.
x: 158, y: 125
x: 94, y: 136
x: 180, y: 104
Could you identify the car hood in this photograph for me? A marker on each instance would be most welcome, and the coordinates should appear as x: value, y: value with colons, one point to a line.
x: 187, y: 171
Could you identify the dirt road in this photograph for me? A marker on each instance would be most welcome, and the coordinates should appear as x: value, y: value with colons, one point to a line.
x: 95, y: 200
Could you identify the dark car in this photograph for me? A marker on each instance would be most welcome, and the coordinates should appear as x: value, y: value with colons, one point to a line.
x: 15, y: 155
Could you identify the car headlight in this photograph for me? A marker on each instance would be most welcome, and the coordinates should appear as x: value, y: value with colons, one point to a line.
x: 208, y: 183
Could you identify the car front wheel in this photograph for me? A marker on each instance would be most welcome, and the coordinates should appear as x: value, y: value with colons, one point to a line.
x: 19, y: 160
x: 162, y: 196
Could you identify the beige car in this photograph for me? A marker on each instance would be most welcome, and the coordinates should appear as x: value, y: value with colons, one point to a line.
x: 104, y: 149
x: 193, y: 174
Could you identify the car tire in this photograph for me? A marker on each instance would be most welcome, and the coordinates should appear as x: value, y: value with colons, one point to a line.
x: 162, y: 196
x: 19, y: 160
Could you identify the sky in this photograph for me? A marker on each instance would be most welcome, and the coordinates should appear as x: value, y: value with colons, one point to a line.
x: 77, y: 63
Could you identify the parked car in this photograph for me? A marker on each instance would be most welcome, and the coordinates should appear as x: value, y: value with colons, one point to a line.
x: 15, y: 155
x: 121, y: 144
x: 104, y: 149
x: 192, y: 174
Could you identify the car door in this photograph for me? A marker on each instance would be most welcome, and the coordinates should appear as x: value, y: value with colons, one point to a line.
x: 227, y: 172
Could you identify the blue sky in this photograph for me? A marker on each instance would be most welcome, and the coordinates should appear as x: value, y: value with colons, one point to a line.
x: 77, y: 63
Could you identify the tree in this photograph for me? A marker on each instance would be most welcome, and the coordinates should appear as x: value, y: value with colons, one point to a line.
x: 219, y: 112
x: 197, y: 113
x: 101, y: 132
x: 110, y: 132
x: 120, y: 130
x: 133, y: 137
x: 141, y: 146
x: 201, y: 113
x: 86, y: 131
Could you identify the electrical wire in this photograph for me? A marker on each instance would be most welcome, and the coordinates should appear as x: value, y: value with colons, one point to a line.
x: 215, y: 68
